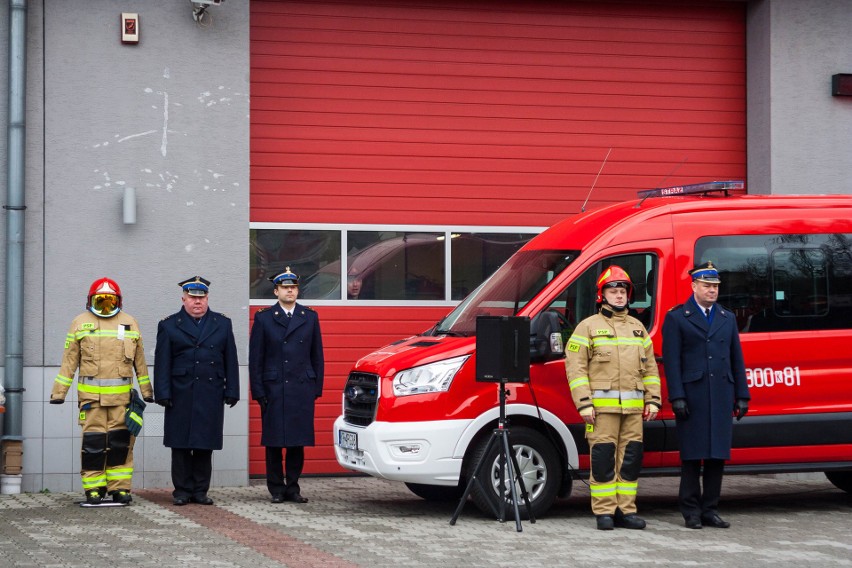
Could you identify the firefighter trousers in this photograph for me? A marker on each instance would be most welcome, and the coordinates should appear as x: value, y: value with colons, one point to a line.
x: 615, y: 446
x: 106, y: 453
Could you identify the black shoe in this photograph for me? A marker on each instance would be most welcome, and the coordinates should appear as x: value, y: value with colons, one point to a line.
x: 122, y: 497
x: 715, y: 521
x: 605, y: 523
x: 693, y: 522
x: 94, y: 497
x: 631, y: 521
x: 277, y: 499
x: 295, y: 498
x: 180, y: 501
x: 202, y: 500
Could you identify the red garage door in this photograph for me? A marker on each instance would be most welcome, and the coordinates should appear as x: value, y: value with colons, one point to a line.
x: 489, y: 114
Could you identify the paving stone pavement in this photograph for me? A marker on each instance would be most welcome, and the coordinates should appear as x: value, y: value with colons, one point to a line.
x: 366, y: 522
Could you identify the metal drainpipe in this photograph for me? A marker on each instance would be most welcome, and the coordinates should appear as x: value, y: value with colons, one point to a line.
x: 15, y: 207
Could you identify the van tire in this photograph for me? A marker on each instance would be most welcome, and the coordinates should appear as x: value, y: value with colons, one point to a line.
x: 436, y: 493
x: 541, y: 471
x: 841, y: 479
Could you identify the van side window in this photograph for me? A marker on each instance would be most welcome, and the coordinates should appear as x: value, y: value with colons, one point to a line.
x: 783, y: 282
x: 577, y: 301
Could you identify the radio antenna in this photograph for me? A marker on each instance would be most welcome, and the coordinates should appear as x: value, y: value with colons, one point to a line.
x: 674, y: 169
x: 583, y: 208
x: 668, y: 175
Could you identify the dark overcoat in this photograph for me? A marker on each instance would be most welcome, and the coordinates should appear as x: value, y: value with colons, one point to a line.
x: 703, y: 364
x: 197, y: 368
x: 286, y: 366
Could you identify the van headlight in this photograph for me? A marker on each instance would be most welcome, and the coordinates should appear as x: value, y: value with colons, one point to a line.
x: 434, y: 377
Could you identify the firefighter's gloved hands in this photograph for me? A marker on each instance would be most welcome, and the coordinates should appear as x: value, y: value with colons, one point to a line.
x: 57, y: 400
x: 588, y: 414
x: 148, y: 399
x: 740, y: 408
x: 263, y: 402
x: 681, y: 410
x: 231, y: 401
x: 165, y: 402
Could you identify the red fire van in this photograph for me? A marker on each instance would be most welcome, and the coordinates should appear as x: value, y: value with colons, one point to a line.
x: 413, y: 411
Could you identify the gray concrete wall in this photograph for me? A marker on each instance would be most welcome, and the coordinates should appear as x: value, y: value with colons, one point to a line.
x: 799, y: 136
x: 168, y: 117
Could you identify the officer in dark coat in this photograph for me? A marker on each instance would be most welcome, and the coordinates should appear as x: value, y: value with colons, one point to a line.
x: 196, y: 373
x: 286, y: 367
x: 706, y: 379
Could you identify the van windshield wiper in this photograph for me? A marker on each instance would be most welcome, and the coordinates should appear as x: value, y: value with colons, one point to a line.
x: 449, y: 332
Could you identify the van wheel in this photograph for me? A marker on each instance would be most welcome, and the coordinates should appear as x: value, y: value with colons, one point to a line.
x: 436, y: 493
x: 540, y: 470
x: 841, y: 479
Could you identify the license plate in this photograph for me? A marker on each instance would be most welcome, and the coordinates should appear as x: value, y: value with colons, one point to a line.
x: 348, y: 440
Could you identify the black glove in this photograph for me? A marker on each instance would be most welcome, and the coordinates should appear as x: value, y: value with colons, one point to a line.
x: 165, y: 402
x: 680, y: 409
x: 263, y: 402
x: 740, y: 408
x: 148, y: 399
x: 57, y: 400
x: 231, y: 401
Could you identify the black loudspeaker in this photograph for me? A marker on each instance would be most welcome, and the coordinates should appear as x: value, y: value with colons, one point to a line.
x: 502, y: 349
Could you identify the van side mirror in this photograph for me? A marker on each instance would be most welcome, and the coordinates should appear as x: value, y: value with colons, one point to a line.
x: 546, y: 337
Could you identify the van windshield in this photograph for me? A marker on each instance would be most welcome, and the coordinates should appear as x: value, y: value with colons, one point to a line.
x: 508, y: 290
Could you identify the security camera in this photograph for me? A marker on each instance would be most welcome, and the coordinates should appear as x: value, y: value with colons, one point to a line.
x: 199, y: 8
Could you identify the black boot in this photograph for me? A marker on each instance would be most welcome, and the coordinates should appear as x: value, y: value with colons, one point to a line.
x: 121, y: 497
x: 605, y: 523
x: 94, y: 496
x: 631, y: 521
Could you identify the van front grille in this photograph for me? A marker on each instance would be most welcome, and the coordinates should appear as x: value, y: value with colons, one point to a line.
x: 360, y: 397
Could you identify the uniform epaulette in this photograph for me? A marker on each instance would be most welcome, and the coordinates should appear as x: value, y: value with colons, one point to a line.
x: 262, y: 310
x: 310, y: 309
x: 675, y: 307
x: 167, y: 317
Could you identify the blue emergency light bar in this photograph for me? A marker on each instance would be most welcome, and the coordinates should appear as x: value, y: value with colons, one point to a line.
x: 693, y: 189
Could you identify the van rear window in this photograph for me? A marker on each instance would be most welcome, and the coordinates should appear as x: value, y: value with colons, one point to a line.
x: 783, y: 282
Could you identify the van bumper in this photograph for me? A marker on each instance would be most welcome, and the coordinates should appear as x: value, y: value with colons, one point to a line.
x: 413, y: 452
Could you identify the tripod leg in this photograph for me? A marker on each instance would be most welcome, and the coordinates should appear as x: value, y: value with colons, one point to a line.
x: 513, y: 471
x: 503, y: 466
x: 475, y: 478
x: 523, y: 487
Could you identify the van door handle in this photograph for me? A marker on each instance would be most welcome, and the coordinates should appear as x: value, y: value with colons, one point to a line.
x: 658, y: 358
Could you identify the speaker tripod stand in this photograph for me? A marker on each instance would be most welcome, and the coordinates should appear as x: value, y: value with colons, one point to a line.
x: 508, y: 468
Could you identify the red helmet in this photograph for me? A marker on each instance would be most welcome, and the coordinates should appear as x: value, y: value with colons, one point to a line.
x: 611, y: 278
x: 104, y: 299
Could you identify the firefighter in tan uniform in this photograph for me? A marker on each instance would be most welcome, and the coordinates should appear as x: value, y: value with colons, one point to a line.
x: 105, y: 344
x: 614, y: 383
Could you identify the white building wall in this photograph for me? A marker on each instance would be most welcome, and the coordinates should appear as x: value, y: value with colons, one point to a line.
x: 799, y: 136
x: 169, y: 118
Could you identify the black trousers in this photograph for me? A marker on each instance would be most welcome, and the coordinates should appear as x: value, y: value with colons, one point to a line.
x: 294, y: 461
x: 693, y: 501
x: 191, y: 470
